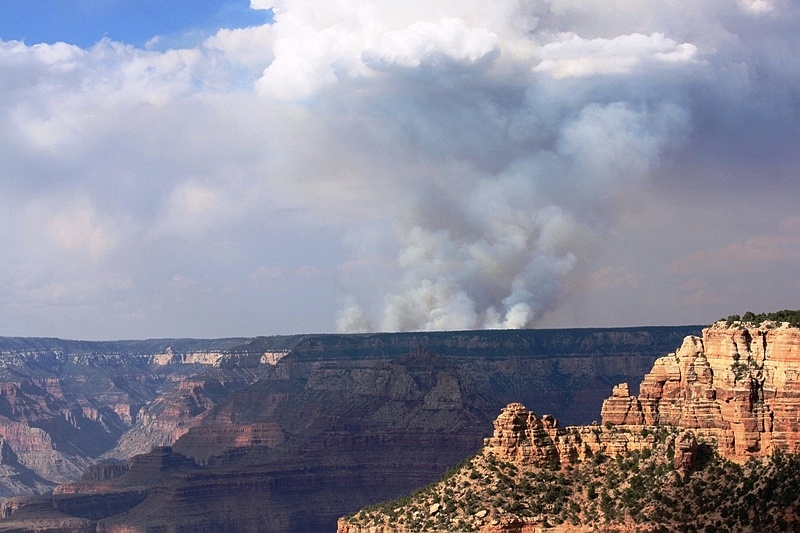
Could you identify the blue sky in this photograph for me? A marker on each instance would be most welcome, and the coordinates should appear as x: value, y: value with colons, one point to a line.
x: 373, y: 165
x: 84, y: 22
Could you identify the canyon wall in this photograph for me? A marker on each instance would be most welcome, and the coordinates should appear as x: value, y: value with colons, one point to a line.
x: 735, y: 388
x: 312, y: 426
x: 63, y: 404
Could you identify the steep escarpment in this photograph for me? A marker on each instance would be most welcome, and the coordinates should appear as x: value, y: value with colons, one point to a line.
x: 737, y: 386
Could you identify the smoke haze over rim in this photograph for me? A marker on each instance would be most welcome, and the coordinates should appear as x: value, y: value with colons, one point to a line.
x: 363, y: 166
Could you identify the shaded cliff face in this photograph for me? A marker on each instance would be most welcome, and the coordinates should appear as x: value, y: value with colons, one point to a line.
x: 328, y: 423
x: 736, y: 386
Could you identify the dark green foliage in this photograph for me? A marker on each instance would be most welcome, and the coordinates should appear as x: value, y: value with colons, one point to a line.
x: 639, y: 488
x: 740, y: 370
x: 786, y: 315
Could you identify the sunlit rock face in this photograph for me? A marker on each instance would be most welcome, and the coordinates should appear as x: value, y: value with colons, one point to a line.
x: 735, y: 387
x: 738, y: 386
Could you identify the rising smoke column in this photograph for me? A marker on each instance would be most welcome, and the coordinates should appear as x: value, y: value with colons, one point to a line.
x: 491, y: 252
x: 516, y: 151
x: 499, y: 137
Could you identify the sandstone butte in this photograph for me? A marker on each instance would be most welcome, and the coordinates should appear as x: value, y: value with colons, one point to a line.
x: 736, y: 389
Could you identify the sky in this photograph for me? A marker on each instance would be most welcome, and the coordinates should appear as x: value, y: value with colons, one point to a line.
x: 216, y: 169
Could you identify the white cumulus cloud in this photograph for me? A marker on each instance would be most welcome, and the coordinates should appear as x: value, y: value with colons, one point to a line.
x: 425, y: 43
x: 574, y: 56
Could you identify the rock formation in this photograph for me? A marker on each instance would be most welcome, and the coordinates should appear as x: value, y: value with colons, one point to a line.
x: 670, y: 483
x: 522, y: 437
x: 736, y: 386
x: 685, y: 459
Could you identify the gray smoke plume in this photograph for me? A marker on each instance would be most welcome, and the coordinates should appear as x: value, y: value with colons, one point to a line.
x: 527, y: 137
x: 492, y: 251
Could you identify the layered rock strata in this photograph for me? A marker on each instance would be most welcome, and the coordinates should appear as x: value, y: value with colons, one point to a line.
x: 736, y: 386
x: 735, y: 389
x: 337, y: 422
x: 522, y: 437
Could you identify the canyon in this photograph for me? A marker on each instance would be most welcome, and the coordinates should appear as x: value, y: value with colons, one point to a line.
x: 282, y: 433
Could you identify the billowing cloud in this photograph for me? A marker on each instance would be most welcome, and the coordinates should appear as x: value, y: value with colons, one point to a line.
x: 758, y: 7
x: 374, y: 165
x: 425, y: 44
x: 574, y: 56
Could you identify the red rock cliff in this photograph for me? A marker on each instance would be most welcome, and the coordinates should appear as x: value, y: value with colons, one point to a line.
x: 738, y: 386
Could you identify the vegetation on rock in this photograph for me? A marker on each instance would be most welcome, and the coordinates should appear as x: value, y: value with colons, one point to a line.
x: 792, y: 317
x: 635, y: 491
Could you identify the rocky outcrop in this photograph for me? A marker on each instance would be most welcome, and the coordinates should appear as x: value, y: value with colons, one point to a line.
x: 673, y: 484
x: 734, y: 389
x: 622, y: 408
x: 736, y: 386
x: 522, y: 437
x: 686, y: 451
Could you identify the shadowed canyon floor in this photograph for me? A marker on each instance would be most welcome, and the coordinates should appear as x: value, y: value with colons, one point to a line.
x: 276, y: 433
